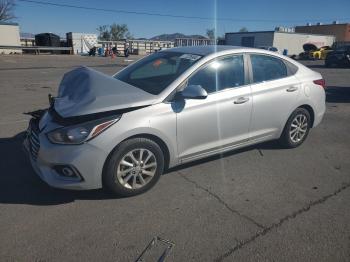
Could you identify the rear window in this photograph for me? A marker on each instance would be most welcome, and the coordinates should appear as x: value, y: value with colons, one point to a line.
x: 266, y: 68
x: 291, y: 68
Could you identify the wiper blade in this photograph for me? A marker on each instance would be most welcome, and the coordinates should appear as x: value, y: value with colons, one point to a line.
x: 37, y: 114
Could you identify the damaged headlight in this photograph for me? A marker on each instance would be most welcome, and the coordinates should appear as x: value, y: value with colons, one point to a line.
x: 81, y: 133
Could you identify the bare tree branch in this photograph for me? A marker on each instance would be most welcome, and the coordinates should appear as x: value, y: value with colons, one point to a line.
x: 7, y: 10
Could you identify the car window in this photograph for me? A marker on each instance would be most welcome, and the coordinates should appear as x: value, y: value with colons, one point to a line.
x: 340, y: 49
x: 266, y: 68
x: 157, y: 71
x: 220, y: 74
x: 343, y: 49
x: 158, y: 67
x: 291, y: 69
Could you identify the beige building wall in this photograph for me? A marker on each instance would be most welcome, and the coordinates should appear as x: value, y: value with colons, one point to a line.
x: 9, y: 36
x: 294, y: 42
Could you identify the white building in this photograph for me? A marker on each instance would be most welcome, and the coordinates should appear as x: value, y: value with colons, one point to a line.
x: 81, y: 42
x: 9, y: 36
x: 292, y: 42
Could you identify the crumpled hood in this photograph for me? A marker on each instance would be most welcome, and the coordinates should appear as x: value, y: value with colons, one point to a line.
x: 84, y: 91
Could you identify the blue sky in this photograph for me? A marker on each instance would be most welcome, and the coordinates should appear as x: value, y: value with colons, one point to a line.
x: 34, y: 18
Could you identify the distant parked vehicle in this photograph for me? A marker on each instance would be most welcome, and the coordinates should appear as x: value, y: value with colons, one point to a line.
x: 308, y: 49
x: 321, y: 52
x: 269, y: 48
x: 338, y: 57
x: 169, y: 108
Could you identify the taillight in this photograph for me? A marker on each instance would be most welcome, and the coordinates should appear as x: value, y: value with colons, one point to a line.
x: 320, y: 82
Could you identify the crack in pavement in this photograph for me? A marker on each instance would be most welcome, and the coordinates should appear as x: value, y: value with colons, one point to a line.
x: 293, y: 215
x: 221, y: 201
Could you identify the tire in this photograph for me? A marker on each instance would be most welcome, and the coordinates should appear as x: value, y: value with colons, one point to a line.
x: 292, y: 136
x: 125, y: 180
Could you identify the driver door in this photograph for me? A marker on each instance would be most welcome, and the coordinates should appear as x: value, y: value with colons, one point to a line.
x: 221, y: 121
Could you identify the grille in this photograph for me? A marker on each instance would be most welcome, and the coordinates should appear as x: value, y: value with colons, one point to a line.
x: 34, y: 142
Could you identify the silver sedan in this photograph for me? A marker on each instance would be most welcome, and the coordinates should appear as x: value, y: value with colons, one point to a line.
x: 169, y: 108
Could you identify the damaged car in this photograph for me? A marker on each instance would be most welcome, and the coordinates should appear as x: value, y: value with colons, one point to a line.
x: 171, y: 107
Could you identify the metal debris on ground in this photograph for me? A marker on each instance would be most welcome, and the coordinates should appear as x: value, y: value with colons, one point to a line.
x: 157, y: 250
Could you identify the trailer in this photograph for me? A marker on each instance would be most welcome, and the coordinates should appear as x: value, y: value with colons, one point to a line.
x: 81, y: 43
x: 290, y: 43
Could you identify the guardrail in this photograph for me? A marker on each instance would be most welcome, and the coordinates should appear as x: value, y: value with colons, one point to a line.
x: 37, y: 49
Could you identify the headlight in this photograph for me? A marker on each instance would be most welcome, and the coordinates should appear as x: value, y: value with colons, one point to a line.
x: 81, y: 133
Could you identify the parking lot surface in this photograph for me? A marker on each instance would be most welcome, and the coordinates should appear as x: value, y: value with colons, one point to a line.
x: 261, y: 203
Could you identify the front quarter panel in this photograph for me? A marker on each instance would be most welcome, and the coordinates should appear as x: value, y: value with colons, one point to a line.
x: 157, y: 120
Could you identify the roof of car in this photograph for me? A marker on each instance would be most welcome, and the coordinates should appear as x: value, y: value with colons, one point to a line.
x: 204, y: 50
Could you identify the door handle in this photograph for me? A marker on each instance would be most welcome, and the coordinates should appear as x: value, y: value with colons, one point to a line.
x: 292, y: 89
x: 241, y: 100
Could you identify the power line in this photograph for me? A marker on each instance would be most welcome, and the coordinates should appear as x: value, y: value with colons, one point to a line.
x: 170, y: 15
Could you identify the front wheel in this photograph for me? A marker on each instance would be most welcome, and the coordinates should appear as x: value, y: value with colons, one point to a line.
x: 134, y: 167
x: 296, y: 129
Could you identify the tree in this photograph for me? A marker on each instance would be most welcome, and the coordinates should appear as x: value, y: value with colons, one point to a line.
x: 6, y: 10
x: 104, y: 33
x: 113, y: 32
x: 211, y: 33
x: 119, y: 32
x: 243, y: 29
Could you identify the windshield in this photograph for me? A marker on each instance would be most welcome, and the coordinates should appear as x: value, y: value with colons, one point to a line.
x: 155, y: 72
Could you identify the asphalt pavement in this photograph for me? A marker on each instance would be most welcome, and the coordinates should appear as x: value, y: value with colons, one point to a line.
x: 261, y: 203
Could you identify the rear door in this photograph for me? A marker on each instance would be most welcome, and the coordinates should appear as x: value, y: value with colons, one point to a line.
x: 275, y: 91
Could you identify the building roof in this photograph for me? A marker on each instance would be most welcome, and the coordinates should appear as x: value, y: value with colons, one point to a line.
x: 273, y: 32
x: 253, y: 32
x: 203, y: 50
x: 8, y: 23
x: 338, y: 24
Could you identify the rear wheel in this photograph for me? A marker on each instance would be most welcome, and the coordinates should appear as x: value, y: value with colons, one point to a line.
x: 134, y: 167
x: 297, y: 128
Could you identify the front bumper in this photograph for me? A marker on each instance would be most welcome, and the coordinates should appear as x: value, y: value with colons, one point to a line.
x: 87, y: 159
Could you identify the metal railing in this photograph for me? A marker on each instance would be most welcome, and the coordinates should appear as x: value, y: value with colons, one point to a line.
x: 37, y: 49
x: 138, y: 46
x: 194, y: 41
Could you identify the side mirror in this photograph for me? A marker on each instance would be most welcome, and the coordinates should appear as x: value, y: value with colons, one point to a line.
x: 194, y: 92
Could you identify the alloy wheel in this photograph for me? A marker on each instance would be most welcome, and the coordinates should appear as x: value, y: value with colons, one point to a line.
x: 136, y: 168
x: 298, y: 128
